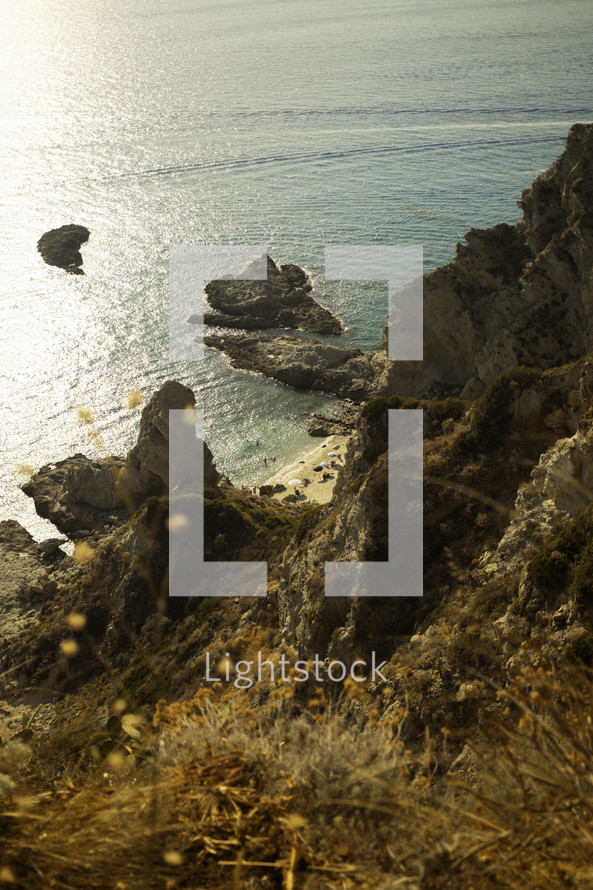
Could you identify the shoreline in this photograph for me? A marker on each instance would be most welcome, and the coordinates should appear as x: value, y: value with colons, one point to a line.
x: 317, y: 490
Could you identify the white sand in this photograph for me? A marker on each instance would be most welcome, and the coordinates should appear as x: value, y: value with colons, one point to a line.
x: 316, y: 491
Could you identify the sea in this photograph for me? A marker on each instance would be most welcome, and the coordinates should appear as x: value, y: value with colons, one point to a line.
x: 291, y: 124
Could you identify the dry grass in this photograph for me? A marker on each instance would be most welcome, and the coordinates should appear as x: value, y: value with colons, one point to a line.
x: 318, y: 801
x: 323, y: 797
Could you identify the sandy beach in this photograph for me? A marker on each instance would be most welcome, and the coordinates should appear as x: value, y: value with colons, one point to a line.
x: 317, y: 490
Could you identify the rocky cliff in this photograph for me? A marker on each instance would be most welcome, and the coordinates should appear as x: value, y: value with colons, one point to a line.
x: 513, y: 295
x: 487, y: 675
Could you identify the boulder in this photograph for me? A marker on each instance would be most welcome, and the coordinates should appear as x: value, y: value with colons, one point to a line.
x: 61, y: 247
x: 77, y: 494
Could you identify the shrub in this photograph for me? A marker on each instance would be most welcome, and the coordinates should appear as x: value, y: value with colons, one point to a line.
x: 566, y: 560
x: 492, y: 412
x: 581, y: 648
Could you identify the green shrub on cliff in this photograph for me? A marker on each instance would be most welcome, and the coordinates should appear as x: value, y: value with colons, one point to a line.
x: 565, y: 562
x: 492, y: 413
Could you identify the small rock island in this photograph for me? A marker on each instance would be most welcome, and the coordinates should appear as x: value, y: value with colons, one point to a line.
x: 61, y: 247
x: 283, y: 300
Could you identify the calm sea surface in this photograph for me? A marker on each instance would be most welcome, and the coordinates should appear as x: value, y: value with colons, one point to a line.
x: 292, y: 124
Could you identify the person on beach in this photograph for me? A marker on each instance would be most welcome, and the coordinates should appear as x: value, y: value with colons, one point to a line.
x: 266, y: 461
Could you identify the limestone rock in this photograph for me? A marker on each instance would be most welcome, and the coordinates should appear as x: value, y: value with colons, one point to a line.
x: 301, y: 362
x: 281, y: 301
x: 146, y: 471
x: 61, y: 247
x: 77, y: 493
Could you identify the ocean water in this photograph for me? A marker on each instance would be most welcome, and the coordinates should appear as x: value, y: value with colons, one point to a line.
x: 288, y: 123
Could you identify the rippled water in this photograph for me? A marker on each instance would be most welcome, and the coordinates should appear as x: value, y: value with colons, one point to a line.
x: 293, y: 124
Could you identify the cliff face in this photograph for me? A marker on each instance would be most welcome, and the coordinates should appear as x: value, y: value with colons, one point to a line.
x: 514, y: 294
x: 507, y: 525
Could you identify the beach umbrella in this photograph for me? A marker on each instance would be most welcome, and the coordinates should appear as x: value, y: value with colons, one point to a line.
x: 324, y: 463
x: 332, y: 454
x: 295, y: 482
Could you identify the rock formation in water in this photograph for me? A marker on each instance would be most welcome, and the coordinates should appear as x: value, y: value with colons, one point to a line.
x: 61, y: 247
x: 301, y: 362
x: 514, y: 294
x: 507, y: 610
x: 78, y: 494
x: 283, y: 300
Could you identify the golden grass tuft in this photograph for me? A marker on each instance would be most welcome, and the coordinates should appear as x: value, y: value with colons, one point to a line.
x: 320, y: 801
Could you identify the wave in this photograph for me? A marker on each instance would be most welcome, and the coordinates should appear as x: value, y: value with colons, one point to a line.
x: 320, y: 156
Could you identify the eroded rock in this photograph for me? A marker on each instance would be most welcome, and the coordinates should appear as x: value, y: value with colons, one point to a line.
x: 77, y: 494
x: 281, y: 301
x: 301, y: 362
x: 61, y: 247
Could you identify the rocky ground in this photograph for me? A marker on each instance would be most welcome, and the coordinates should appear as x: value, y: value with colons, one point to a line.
x: 473, y: 754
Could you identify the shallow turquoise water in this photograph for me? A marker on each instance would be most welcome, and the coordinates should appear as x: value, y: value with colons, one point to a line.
x: 293, y: 124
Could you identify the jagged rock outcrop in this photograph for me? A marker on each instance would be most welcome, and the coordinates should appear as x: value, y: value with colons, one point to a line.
x: 146, y: 472
x: 61, y: 247
x: 281, y: 301
x: 299, y: 361
x: 79, y: 494
x: 303, y: 362
x: 513, y: 295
